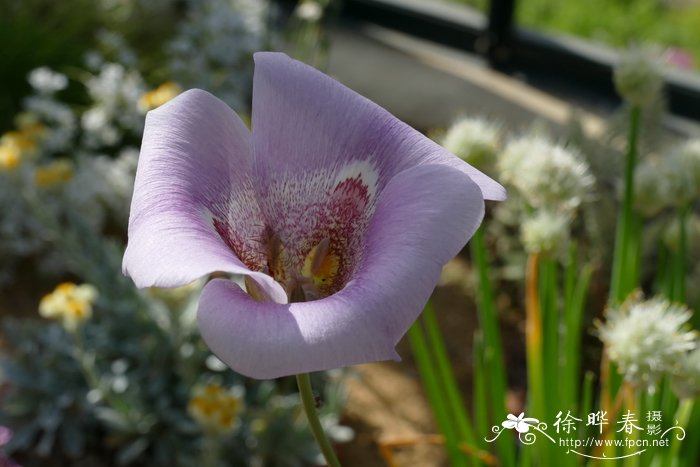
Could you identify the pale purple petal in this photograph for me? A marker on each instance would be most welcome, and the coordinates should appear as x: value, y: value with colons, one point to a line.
x: 423, y: 218
x: 323, y: 154
x: 305, y: 122
x: 267, y: 340
x: 192, y: 181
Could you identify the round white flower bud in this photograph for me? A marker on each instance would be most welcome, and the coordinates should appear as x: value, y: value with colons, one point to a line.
x: 475, y: 141
x: 546, y: 232
x: 637, y: 77
x: 547, y: 175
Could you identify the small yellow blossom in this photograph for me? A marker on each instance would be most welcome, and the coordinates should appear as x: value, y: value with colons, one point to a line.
x: 10, y: 157
x: 215, y: 408
x: 55, y: 173
x: 14, y: 145
x: 159, y: 96
x: 19, y: 139
x: 70, y: 303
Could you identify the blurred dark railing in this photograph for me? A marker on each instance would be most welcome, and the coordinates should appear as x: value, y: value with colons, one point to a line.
x: 568, y: 62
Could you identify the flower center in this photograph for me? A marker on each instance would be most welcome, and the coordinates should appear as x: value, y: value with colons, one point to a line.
x: 313, y: 233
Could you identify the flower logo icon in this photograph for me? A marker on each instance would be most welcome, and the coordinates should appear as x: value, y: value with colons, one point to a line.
x: 521, y: 424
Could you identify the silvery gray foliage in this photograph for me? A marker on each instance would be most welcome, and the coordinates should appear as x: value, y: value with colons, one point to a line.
x: 146, y: 356
x: 213, y: 47
x: 114, y: 113
x: 97, y: 142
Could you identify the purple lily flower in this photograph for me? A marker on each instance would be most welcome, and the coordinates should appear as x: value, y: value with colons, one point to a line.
x: 339, y: 216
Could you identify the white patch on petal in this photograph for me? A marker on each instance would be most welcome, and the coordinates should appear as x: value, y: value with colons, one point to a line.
x: 368, y: 175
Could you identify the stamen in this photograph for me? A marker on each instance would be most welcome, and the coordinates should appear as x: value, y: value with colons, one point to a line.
x: 317, y: 256
x: 320, y: 265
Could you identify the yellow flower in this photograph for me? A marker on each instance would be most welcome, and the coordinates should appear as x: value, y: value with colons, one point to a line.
x: 19, y: 139
x: 55, y: 173
x: 70, y: 303
x: 159, y: 96
x: 215, y: 408
x: 14, y: 145
x: 10, y: 157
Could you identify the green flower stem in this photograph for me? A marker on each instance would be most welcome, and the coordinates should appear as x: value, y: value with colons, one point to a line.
x: 682, y: 416
x: 682, y: 251
x: 435, y: 394
x: 493, y: 364
x: 624, y: 277
x: 577, y: 283
x: 586, y: 402
x: 446, y: 376
x: 480, y: 398
x: 690, y: 447
x: 307, y: 400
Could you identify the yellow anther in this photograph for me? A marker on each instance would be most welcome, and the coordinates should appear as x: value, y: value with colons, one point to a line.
x: 320, y: 264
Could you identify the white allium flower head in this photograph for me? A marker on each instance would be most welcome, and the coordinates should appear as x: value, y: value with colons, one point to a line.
x: 474, y: 140
x: 47, y: 81
x: 686, y: 375
x: 309, y: 10
x: 672, y: 180
x: 545, y: 232
x: 646, y: 338
x: 547, y: 175
x: 638, y: 77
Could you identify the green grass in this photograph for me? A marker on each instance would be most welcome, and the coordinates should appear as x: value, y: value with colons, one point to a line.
x: 616, y: 23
